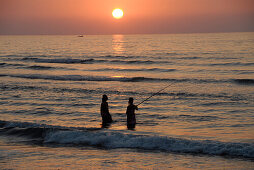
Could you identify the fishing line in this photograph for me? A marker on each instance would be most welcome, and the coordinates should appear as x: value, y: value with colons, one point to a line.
x: 155, y: 94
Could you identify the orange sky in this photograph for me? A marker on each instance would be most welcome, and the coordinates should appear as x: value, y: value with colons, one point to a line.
x: 140, y: 16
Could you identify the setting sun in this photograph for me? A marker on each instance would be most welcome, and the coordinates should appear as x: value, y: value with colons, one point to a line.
x: 117, y: 13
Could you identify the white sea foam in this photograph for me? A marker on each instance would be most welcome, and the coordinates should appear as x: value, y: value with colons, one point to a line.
x: 112, y: 139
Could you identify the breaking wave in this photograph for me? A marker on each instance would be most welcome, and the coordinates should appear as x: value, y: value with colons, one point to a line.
x: 112, y: 139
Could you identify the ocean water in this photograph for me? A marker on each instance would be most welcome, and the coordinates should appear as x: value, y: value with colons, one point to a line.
x: 51, y: 89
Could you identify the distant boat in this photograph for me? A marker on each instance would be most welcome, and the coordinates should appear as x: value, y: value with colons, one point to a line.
x: 81, y: 36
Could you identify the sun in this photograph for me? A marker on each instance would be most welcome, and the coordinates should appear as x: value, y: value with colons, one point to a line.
x: 117, y: 13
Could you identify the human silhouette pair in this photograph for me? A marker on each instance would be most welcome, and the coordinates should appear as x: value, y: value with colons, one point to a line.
x: 130, y: 112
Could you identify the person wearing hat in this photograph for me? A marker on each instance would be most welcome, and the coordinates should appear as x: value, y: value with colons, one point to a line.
x: 106, y: 117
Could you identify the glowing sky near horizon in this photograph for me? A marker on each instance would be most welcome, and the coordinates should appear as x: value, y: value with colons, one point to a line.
x: 140, y: 16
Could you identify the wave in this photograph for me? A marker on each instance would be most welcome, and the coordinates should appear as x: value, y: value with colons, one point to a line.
x: 36, y: 67
x: 173, y: 54
x: 59, y: 60
x: 179, y: 95
x: 91, y: 61
x: 112, y: 139
x: 121, y: 57
x: 103, y: 78
x: 244, y: 81
x: 33, y: 67
x: 39, y: 67
x: 81, y: 78
x: 137, y: 61
x: 186, y: 58
x: 126, y: 79
x: 232, y: 64
x: 8, y: 64
x: 135, y: 70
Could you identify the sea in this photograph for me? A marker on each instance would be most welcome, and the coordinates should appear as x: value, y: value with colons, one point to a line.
x: 199, y: 112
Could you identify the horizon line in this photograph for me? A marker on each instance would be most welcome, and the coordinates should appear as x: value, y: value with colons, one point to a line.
x: 219, y: 32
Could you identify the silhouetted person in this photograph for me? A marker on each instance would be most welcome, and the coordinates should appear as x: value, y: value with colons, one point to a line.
x: 106, y: 117
x: 130, y: 112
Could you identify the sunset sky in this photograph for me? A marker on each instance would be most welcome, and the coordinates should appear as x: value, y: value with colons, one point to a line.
x: 140, y: 16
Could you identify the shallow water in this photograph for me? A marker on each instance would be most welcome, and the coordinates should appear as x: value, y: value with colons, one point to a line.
x: 51, y: 88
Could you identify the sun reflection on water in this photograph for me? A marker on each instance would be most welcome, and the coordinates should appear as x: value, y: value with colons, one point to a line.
x: 117, y: 44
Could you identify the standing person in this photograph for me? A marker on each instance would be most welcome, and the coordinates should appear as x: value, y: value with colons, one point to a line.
x: 106, y: 117
x: 130, y: 112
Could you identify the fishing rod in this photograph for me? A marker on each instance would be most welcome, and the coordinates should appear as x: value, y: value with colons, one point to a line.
x: 154, y: 94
